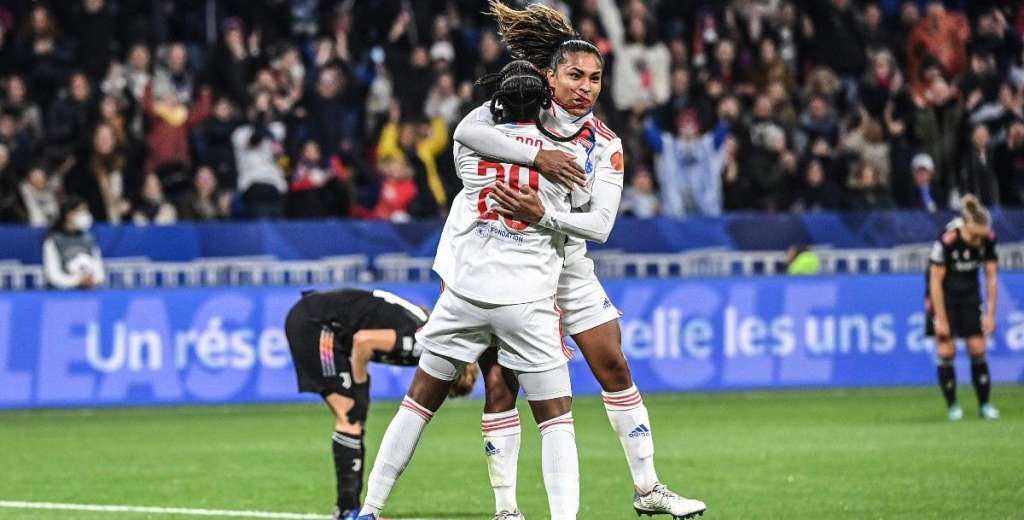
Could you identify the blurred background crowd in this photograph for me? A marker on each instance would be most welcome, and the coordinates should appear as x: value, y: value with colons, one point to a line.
x: 158, y: 111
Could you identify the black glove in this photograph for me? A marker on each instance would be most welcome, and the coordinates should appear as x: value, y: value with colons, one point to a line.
x: 361, y: 396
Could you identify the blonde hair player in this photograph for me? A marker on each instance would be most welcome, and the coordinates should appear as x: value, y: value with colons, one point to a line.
x: 953, y: 302
x: 573, y: 68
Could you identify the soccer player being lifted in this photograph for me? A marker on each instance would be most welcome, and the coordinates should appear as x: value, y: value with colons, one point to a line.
x: 500, y: 276
x: 333, y: 337
x: 573, y: 69
x: 953, y: 302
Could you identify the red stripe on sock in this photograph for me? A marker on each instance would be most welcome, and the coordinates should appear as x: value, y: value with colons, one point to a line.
x: 618, y: 399
x: 511, y: 421
x: 554, y: 423
x: 426, y: 417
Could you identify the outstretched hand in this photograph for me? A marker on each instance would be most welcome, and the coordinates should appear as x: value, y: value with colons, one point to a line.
x: 524, y: 205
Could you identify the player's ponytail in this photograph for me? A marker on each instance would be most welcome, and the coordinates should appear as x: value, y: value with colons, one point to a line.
x: 974, y: 212
x: 539, y: 34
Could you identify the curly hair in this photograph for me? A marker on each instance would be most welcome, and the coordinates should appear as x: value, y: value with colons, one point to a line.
x: 539, y: 34
x: 520, y: 92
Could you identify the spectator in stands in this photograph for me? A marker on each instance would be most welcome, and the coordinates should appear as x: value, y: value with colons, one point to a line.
x: 214, y: 143
x: 817, y: 192
x: 231, y: 63
x: 867, y: 191
x: 924, y: 194
x: 72, y: 115
x: 44, y: 55
x: 11, y: 208
x: 837, y: 38
x: 331, y: 118
x: 39, y: 194
x: 18, y: 144
x: 689, y: 168
x: 419, y: 144
x: 936, y: 123
x: 151, y: 207
x: 443, y: 102
x: 71, y: 257
x: 941, y: 37
x: 640, y: 71
x: 977, y: 175
x: 205, y: 201
x: 170, y: 115
x: 316, y: 189
x: 868, y: 142
x: 639, y: 199
x: 258, y: 145
x: 95, y: 31
x: 1008, y: 162
x: 28, y: 115
x: 99, y: 177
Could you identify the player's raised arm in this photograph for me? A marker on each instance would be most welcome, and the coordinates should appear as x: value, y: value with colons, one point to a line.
x: 476, y: 131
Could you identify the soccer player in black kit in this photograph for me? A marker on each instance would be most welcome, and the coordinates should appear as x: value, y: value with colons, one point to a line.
x: 333, y: 337
x: 953, y: 302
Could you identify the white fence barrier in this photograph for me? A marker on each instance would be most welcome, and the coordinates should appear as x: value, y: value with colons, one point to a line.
x: 140, y: 272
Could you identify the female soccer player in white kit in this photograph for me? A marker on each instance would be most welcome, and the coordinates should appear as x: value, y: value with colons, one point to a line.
x: 574, y: 68
x: 501, y: 277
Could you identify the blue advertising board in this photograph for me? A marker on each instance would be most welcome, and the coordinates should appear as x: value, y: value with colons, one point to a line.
x: 193, y: 346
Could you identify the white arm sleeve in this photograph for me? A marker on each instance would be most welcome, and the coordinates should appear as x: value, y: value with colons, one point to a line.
x: 52, y: 269
x: 596, y: 223
x: 476, y: 131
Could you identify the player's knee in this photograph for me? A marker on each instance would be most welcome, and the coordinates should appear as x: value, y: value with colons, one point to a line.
x: 440, y: 367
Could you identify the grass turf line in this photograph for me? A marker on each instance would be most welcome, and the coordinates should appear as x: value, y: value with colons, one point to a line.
x: 884, y: 453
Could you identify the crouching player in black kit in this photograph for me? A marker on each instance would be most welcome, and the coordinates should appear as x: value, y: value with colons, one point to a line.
x: 333, y: 337
x: 953, y: 302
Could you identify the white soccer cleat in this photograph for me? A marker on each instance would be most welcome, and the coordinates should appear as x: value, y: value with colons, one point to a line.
x: 955, y: 413
x: 509, y: 515
x: 989, y: 412
x: 663, y: 501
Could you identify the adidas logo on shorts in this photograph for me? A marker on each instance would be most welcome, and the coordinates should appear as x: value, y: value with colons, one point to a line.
x: 491, y: 450
x: 607, y: 303
x: 640, y: 431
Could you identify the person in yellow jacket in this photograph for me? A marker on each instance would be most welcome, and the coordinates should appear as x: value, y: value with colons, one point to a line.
x: 422, y: 143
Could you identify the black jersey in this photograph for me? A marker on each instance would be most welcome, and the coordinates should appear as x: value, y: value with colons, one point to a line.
x: 347, y: 311
x: 961, y: 261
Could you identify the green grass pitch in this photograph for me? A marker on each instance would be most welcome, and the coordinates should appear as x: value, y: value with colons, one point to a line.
x: 858, y: 454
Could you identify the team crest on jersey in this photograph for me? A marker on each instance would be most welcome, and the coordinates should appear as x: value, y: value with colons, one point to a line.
x: 588, y: 140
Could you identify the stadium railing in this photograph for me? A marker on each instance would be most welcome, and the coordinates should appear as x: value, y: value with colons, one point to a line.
x: 265, y: 270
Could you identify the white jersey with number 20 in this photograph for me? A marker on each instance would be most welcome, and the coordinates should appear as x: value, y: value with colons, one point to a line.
x: 493, y: 259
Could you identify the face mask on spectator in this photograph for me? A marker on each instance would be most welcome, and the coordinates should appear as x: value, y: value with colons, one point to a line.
x: 82, y: 221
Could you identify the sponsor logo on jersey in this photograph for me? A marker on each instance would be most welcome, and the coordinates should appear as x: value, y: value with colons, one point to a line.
x: 486, y: 229
x: 640, y: 431
x: 491, y: 450
x: 618, y: 164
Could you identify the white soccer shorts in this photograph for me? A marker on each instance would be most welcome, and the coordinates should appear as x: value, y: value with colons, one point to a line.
x: 528, y: 334
x: 582, y: 299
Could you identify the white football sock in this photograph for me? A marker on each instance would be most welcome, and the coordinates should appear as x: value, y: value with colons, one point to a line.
x: 501, y: 444
x: 396, y: 449
x: 628, y: 415
x: 561, y: 467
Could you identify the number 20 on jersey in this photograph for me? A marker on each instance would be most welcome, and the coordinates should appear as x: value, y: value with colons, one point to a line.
x: 511, y: 175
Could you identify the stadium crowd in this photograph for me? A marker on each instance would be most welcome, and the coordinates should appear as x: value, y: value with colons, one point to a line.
x: 173, y: 110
